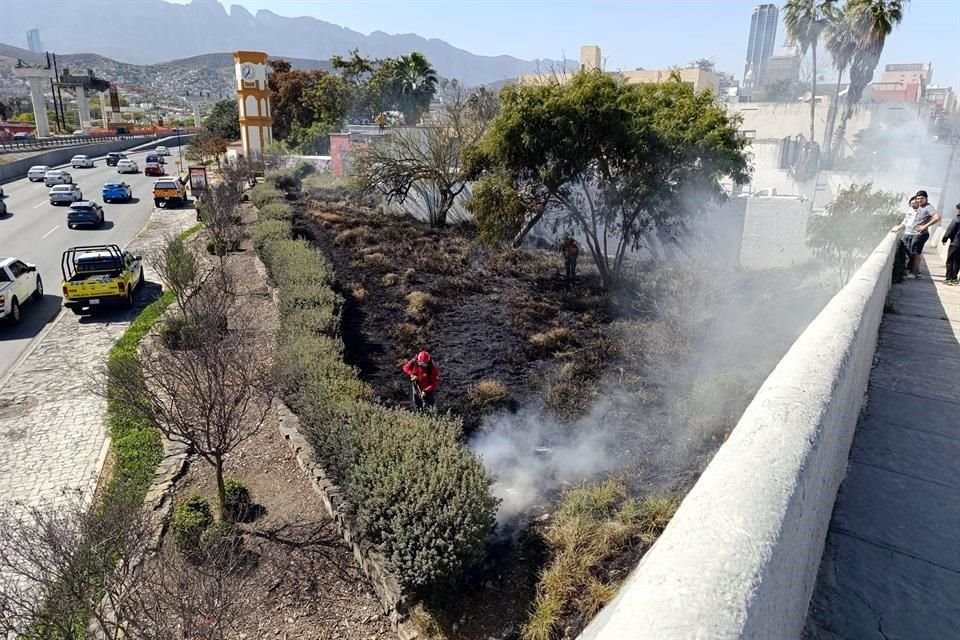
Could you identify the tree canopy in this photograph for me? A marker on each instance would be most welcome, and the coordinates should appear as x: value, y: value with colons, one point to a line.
x: 224, y: 120
x: 610, y: 160
x: 851, y: 227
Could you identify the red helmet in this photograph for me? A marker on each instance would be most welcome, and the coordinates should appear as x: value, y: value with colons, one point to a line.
x: 423, y: 358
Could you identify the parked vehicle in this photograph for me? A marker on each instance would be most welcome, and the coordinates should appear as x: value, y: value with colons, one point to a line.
x: 168, y: 193
x: 65, y: 194
x: 116, y: 192
x: 3, y: 208
x: 57, y: 176
x: 162, y: 151
x: 127, y: 166
x: 114, y: 157
x: 81, y: 133
x: 19, y: 282
x: 99, y: 275
x: 37, y: 172
x: 122, y: 131
x: 79, y: 162
x: 85, y: 213
x: 23, y: 135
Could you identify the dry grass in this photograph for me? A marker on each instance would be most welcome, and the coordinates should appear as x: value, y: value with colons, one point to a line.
x: 377, y: 261
x: 389, y: 279
x: 487, y: 394
x: 328, y: 218
x: 427, y: 623
x: 357, y: 291
x: 408, y: 337
x: 592, y: 525
x: 409, y: 276
x: 554, y: 340
x: 420, y: 305
x: 355, y: 236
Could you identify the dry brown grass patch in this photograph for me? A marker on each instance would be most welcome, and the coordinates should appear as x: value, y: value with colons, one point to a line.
x: 376, y: 261
x: 357, y: 291
x: 354, y: 236
x: 408, y: 337
x: 553, y: 340
x: 389, y: 279
x: 420, y: 305
x: 487, y: 394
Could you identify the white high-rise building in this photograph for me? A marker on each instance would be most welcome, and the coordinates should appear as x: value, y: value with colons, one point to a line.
x: 763, y: 32
x: 33, y: 41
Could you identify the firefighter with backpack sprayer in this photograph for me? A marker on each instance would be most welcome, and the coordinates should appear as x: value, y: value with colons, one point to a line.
x: 424, y: 380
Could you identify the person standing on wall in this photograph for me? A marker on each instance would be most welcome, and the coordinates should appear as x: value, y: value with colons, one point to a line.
x: 952, y: 236
x: 916, y: 226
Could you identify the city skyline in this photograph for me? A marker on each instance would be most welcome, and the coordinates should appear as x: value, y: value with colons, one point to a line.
x: 674, y: 33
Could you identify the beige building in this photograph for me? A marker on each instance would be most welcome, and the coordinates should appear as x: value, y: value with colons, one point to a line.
x: 920, y: 73
x: 590, y: 59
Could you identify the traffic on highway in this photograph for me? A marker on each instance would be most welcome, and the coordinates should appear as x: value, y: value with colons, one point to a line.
x: 39, y: 225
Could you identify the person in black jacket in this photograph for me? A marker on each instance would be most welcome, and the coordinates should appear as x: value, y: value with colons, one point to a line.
x: 952, y: 235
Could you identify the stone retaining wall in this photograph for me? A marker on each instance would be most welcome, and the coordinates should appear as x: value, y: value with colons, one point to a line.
x: 740, y: 557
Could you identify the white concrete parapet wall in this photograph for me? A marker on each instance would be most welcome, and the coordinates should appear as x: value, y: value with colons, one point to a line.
x: 740, y: 557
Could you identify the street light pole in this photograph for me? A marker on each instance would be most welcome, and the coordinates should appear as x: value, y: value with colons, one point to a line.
x: 954, y: 141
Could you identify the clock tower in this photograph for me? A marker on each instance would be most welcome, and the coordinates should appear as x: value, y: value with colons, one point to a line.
x: 253, y: 98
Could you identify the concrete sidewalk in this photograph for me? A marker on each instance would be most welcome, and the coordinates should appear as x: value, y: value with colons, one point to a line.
x: 891, y: 564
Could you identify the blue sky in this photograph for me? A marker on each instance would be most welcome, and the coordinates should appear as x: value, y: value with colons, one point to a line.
x: 631, y: 34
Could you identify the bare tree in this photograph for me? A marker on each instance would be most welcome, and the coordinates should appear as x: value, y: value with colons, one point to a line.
x: 220, y: 214
x: 211, y: 395
x: 178, y: 268
x: 70, y: 571
x: 428, y: 160
x: 56, y: 559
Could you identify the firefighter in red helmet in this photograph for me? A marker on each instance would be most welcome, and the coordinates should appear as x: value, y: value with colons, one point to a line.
x: 424, y: 380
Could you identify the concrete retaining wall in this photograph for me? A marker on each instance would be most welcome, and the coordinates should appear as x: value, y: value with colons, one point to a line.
x: 740, y: 558
x: 18, y: 168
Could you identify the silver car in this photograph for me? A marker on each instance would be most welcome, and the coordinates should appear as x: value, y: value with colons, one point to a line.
x: 78, y: 162
x: 65, y: 194
x: 36, y: 173
x: 57, y: 176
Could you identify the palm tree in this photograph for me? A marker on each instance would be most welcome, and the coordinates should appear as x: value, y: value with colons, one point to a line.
x: 804, y: 20
x: 872, y: 21
x: 841, y: 42
x: 416, y: 83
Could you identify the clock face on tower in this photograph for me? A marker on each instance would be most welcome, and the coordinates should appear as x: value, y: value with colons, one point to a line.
x: 248, y: 71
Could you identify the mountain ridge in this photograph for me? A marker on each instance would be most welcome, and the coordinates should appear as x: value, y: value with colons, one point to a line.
x: 206, y: 26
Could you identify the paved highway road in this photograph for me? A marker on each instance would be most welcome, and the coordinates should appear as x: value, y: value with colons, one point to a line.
x: 36, y: 231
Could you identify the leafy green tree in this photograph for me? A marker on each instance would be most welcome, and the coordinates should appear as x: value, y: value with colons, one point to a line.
x: 851, y: 227
x: 307, y: 106
x: 611, y: 160
x: 224, y: 120
x: 872, y: 22
x: 704, y: 64
x: 415, y: 81
x: 805, y: 20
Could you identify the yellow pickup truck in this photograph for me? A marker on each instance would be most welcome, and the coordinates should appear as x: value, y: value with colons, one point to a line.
x: 169, y: 192
x: 98, y: 276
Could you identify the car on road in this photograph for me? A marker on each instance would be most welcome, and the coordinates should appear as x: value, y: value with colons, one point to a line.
x: 162, y: 151
x: 57, y: 176
x: 127, y: 166
x: 155, y: 157
x: 80, y: 133
x: 65, y: 194
x: 114, y: 157
x: 19, y: 282
x: 23, y: 135
x: 122, y: 131
x: 153, y: 166
x: 85, y: 213
x: 116, y: 192
x: 3, y: 208
x: 99, y: 275
x: 81, y: 162
x: 37, y: 172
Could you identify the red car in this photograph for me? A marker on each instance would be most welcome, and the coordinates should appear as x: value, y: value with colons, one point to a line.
x: 153, y: 169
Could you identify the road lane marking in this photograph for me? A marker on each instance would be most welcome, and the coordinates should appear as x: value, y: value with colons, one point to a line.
x: 49, y: 232
x: 37, y: 206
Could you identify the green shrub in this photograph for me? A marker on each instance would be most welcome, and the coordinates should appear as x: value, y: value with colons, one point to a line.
x: 285, y: 180
x: 220, y: 542
x: 190, y: 520
x: 176, y: 332
x: 264, y: 193
x: 268, y: 231
x: 276, y: 211
x: 238, y: 501
x: 415, y: 491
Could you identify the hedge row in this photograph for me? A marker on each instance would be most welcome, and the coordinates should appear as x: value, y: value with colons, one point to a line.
x: 414, y: 491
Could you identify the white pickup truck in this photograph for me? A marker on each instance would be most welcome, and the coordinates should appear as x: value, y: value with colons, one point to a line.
x: 19, y: 282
